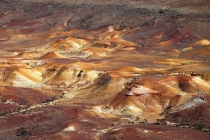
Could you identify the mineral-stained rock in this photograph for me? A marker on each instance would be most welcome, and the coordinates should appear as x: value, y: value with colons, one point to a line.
x: 93, y: 69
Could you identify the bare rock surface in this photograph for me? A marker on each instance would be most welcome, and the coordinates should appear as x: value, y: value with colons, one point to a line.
x: 121, y: 69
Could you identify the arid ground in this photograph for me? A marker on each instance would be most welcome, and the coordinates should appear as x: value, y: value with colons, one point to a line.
x: 104, y: 70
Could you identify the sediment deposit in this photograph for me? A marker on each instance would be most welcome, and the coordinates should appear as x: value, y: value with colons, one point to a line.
x: 104, y: 70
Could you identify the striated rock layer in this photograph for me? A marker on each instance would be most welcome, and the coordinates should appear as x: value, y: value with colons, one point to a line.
x: 104, y: 69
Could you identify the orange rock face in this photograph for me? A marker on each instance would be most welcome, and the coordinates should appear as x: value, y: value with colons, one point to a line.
x: 104, y: 69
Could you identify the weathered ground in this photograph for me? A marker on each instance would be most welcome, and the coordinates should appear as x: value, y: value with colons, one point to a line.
x: 104, y: 70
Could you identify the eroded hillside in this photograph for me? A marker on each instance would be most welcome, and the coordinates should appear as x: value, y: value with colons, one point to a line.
x: 104, y: 70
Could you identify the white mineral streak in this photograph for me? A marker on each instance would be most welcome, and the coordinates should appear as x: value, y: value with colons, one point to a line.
x: 142, y: 90
x: 70, y: 128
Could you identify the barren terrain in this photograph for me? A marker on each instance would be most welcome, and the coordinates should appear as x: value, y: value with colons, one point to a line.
x: 121, y: 69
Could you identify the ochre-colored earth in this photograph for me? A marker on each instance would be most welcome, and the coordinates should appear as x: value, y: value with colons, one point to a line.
x: 93, y: 69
